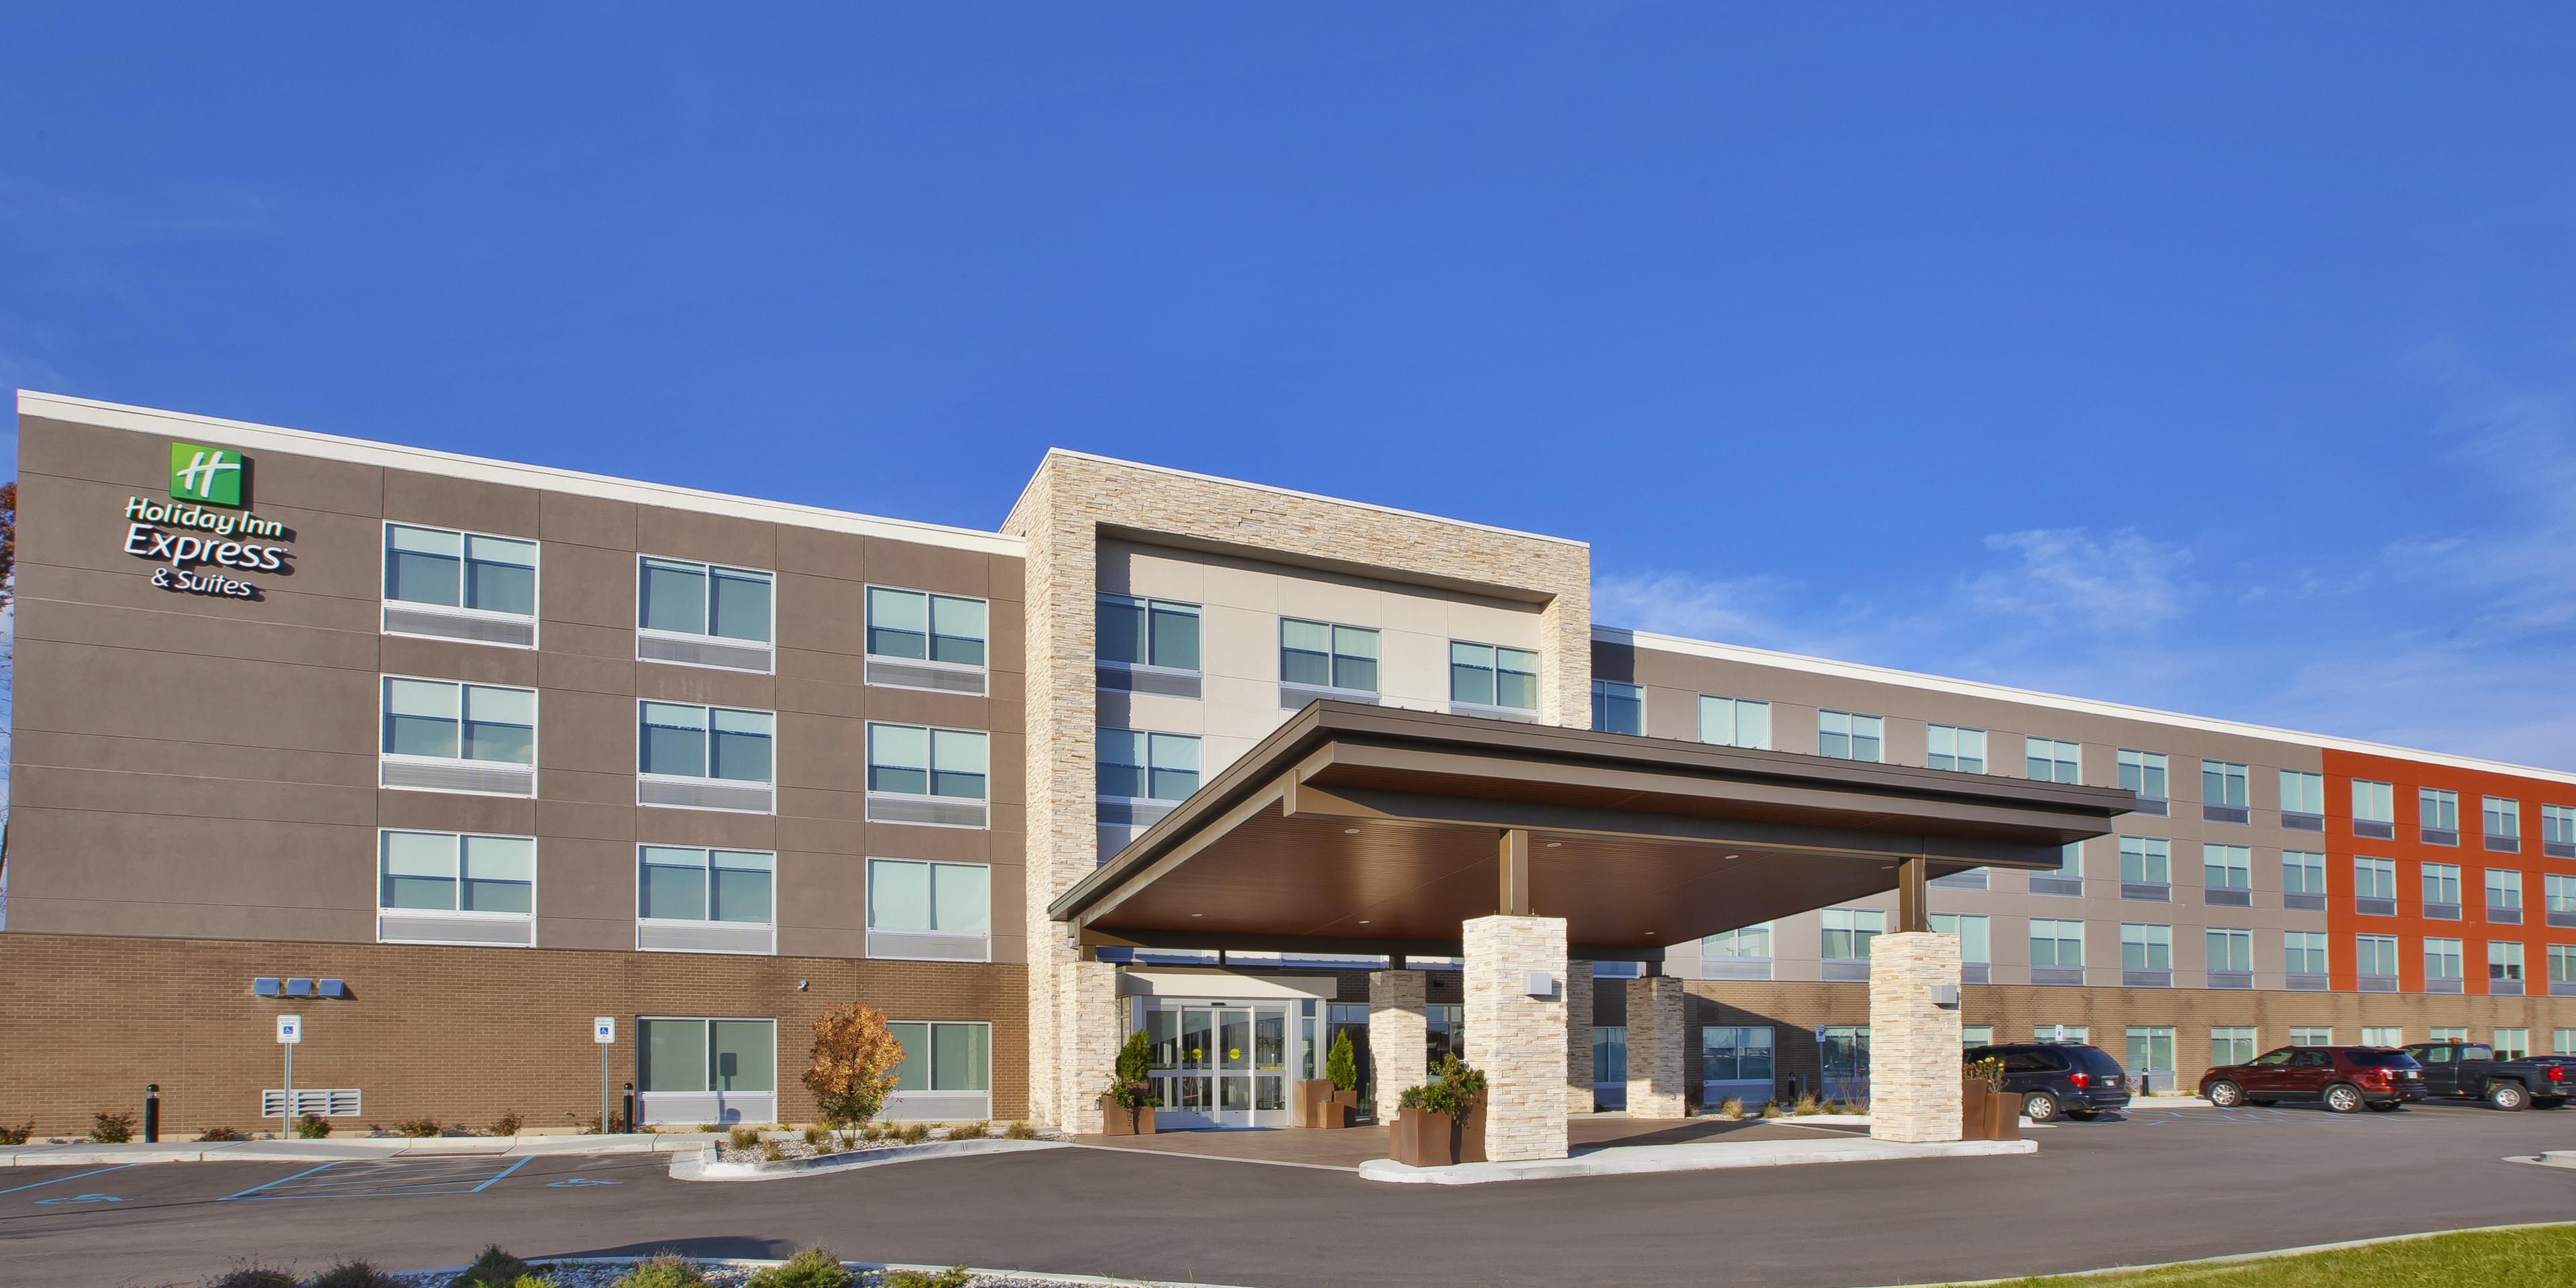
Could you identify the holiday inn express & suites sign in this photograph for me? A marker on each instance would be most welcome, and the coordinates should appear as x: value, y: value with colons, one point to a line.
x: 188, y: 532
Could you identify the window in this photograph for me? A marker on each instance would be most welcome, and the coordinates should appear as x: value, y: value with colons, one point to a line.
x: 2303, y: 873
x: 1976, y: 1035
x: 2383, y: 1035
x: 2375, y: 880
x: 921, y: 627
x: 2303, y: 800
x: 2374, y: 809
x: 1148, y: 766
x: 2304, y: 952
x: 2230, y: 1046
x: 1734, y: 722
x: 2056, y: 944
x: 1843, y: 1053
x: 435, y: 728
x: 1149, y: 632
x: 2560, y: 893
x: 943, y: 1057
x: 1845, y: 736
x: 2504, y: 895
x: 2146, y: 947
x: 2513, y: 1044
x: 1954, y: 748
x: 2558, y: 831
x: 2502, y: 819
x: 1445, y: 1033
x: 2071, y: 1033
x: 2437, y: 814
x: 2375, y: 956
x: 2051, y: 761
x: 2227, y: 868
x: 2146, y: 867
x: 2442, y: 890
x: 910, y: 760
x: 684, y: 889
x: 2143, y: 772
x: 1750, y: 941
x: 2223, y: 794
x: 1736, y: 1053
x: 2442, y: 1033
x: 2562, y: 965
x: 681, y: 740
x: 1848, y: 932
x: 1610, y: 1054
x: 2504, y: 962
x: 1971, y: 928
x: 1318, y: 655
x: 702, y: 615
x: 484, y: 589
x: 2562, y: 1041
x: 1618, y: 708
x: 2442, y: 960
x: 1486, y: 675
x: 2068, y: 879
x: 446, y: 887
x: 2151, y: 1054
x: 686, y: 1059
x: 2231, y: 951
x: 2309, y: 1035
x: 912, y: 904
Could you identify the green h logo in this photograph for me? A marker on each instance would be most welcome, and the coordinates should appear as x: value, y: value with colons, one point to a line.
x: 209, y: 474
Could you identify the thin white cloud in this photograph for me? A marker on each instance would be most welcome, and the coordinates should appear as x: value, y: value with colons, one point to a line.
x: 2067, y: 578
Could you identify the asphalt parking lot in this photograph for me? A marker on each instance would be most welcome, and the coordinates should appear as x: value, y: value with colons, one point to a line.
x: 2156, y: 1185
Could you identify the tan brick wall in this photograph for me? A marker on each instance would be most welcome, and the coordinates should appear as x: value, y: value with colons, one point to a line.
x: 1518, y: 1039
x: 1656, y: 1037
x: 456, y: 1034
x: 1913, y: 1041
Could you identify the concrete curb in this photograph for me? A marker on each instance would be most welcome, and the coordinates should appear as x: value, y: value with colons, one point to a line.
x: 1041, y: 1276
x: 1637, y: 1159
x: 358, y: 1149
x: 702, y: 1165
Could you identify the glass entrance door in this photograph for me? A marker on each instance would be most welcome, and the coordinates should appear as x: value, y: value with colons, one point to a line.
x: 1219, y: 1064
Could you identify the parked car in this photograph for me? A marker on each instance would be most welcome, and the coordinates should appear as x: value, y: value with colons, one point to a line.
x: 2059, y: 1078
x: 2346, y: 1078
x: 2470, y: 1071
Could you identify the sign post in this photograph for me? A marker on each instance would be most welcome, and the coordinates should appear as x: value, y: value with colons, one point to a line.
x: 603, y: 1031
x: 290, y: 1031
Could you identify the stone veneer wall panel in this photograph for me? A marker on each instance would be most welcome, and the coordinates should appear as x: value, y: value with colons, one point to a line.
x: 1655, y: 1043
x: 1913, y: 1043
x: 1398, y: 1022
x: 1518, y: 1040
x: 1578, y: 1038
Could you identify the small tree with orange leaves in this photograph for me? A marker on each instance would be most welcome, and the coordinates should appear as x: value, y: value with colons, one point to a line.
x: 853, y: 1064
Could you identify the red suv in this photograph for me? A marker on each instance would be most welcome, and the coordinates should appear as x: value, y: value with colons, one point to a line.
x: 2344, y: 1077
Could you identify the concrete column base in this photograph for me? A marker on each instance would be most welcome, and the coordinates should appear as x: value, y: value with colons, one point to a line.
x: 1399, y: 1035
x: 1913, y: 1041
x: 1578, y: 1038
x: 1655, y: 1065
x: 1516, y: 1038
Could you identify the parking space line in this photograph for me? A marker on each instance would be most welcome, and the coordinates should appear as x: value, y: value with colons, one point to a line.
x: 488, y: 1184
x: 388, y: 1178
x: 73, y: 1177
x: 279, y: 1181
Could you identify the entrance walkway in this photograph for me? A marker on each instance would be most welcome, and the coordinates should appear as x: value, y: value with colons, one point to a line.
x: 1351, y: 1147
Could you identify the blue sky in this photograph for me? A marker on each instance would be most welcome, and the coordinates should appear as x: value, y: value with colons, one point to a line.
x: 2212, y: 359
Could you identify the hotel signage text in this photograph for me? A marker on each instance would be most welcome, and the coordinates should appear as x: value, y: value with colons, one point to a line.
x: 206, y: 535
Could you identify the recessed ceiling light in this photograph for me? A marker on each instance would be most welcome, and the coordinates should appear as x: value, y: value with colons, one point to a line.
x: 1735, y: 856
x: 1350, y: 831
x: 1198, y: 914
x: 1364, y: 921
x: 1555, y: 844
x: 1654, y: 932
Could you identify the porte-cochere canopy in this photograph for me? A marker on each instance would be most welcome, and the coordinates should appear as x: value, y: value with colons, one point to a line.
x: 1363, y: 829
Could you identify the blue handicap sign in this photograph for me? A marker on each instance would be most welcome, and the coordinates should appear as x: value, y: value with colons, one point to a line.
x: 578, y: 1180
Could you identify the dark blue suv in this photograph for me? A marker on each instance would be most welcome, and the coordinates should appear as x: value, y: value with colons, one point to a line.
x: 2055, y: 1078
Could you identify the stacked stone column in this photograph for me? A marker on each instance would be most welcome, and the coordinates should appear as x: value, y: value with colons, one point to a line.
x: 1913, y: 1041
x: 1399, y: 1035
x: 1578, y: 1037
x: 1517, y: 1039
x: 1655, y: 1088
x: 1092, y: 1024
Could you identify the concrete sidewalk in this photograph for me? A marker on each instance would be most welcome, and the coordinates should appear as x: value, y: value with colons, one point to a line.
x: 1712, y: 1156
x: 351, y: 1149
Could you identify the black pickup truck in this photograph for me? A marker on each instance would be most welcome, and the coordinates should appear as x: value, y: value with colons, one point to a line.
x: 2470, y: 1071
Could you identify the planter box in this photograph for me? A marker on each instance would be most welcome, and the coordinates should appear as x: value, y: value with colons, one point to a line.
x: 1344, y: 1111
x: 1317, y: 1105
x: 1418, y: 1139
x: 1985, y: 1114
x: 1115, y: 1121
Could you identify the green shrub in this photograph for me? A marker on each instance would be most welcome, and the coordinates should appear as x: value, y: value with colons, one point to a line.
x: 111, y: 1129
x: 507, y: 1124
x: 17, y: 1135
x: 742, y: 1138
x: 913, y: 1133
x: 222, y: 1134
x: 952, y: 1277
x: 354, y: 1274
x: 420, y: 1127
x: 1452, y: 1090
x: 1135, y: 1060
x: 315, y: 1127
x: 1020, y: 1130
x: 493, y: 1269
x: 252, y: 1277
x: 811, y: 1268
x: 665, y: 1271
x: 1342, y: 1064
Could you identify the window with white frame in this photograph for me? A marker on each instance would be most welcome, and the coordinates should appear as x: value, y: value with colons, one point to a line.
x: 2077, y: 1034
x: 455, y: 888
x: 1321, y: 655
x: 2303, y: 952
x: 2504, y: 893
x: 1734, y: 722
x: 2442, y: 960
x: 2224, y: 786
x: 685, y: 740
x: 2502, y: 819
x: 2383, y: 1035
x: 2144, y: 773
x: 2374, y: 808
x: 922, y: 626
x: 2562, y: 1041
x: 697, y: 899
x: 448, y: 584
x: 443, y: 735
x: 2146, y: 860
x: 1489, y: 675
x: 693, y: 1069
x: 2231, y: 1045
x: 1845, y: 735
x: 2513, y: 1044
x: 2504, y: 961
x: 2050, y: 760
x: 2559, y: 892
x: 1954, y: 748
x: 941, y: 1061
x: 932, y: 911
x: 1137, y: 765
x: 2562, y: 965
x: 1149, y: 632
x: 2447, y: 1033
x: 2558, y: 830
x: 2437, y: 815
x: 2375, y: 956
x: 1975, y: 944
x: 2226, y: 867
x: 1972, y: 1036
x: 2303, y: 872
x: 1737, y: 1053
x: 699, y: 614
x: 1618, y: 707
x: 1752, y: 941
x: 2311, y: 1035
x: 2442, y: 889
x: 919, y: 774
x: 2374, y: 879
x: 2056, y: 944
x: 2303, y: 796
x: 1848, y: 932
x: 2146, y: 947
x: 2231, y: 951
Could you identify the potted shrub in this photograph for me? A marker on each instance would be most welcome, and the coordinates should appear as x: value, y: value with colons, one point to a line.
x: 1331, y: 1101
x: 1986, y: 1110
x: 1442, y: 1121
x: 1127, y: 1107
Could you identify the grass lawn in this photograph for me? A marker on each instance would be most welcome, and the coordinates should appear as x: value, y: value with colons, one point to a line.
x: 2545, y: 1256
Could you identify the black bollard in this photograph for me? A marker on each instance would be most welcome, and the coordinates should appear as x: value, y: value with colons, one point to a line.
x: 629, y: 1109
x: 152, y: 1113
